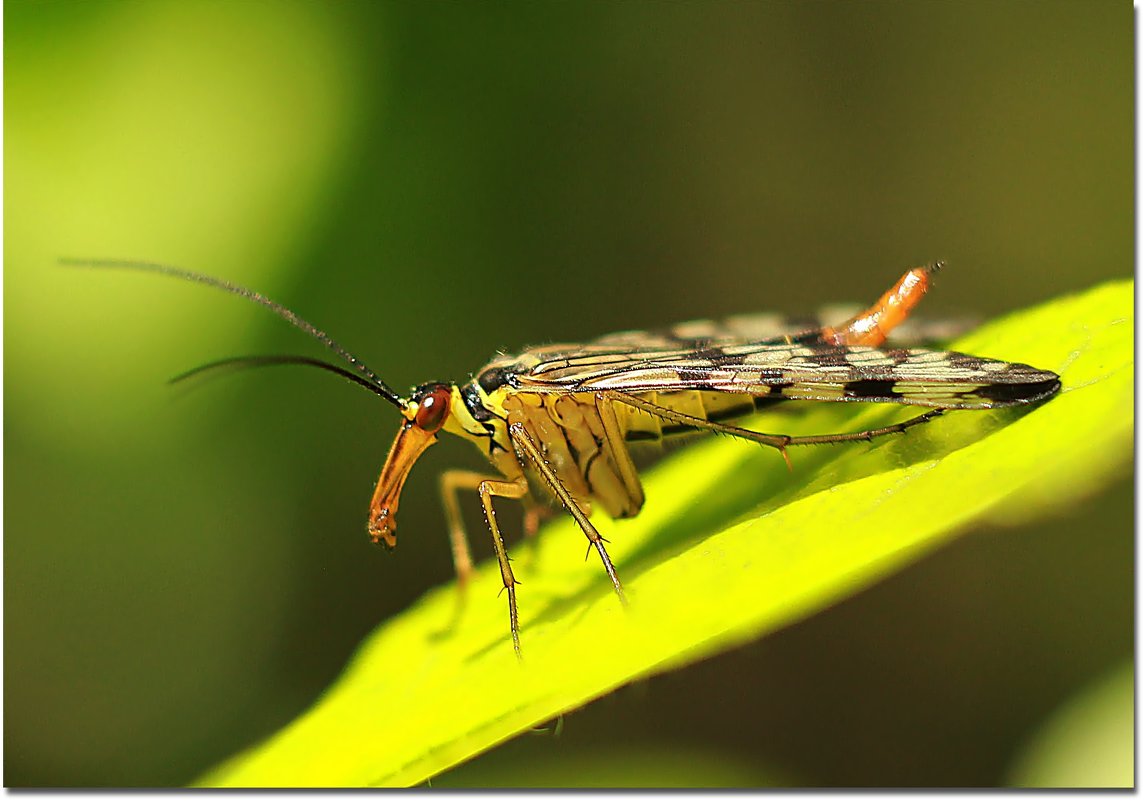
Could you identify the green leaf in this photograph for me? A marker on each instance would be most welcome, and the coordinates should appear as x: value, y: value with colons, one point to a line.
x: 1088, y: 742
x: 730, y: 546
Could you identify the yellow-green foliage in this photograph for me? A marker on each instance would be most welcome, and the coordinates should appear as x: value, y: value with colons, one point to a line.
x: 730, y: 546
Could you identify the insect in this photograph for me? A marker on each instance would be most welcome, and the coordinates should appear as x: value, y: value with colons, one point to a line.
x: 565, y: 415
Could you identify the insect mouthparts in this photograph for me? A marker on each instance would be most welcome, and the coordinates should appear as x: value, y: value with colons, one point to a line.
x: 381, y: 528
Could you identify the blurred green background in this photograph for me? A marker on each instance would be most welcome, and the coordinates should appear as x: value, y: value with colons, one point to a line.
x: 186, y: 570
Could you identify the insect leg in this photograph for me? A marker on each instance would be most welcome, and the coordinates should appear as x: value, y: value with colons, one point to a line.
x: 489, y: 489
x: 871, y: 326
x: 868, y: 434
x: 777, y: 441
x: 451, y: 481
x: 527, y: 448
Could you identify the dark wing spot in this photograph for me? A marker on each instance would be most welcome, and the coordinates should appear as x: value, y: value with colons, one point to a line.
x: 1005, y: 394
x: 692, y: 375
x: 774, y: 377
x: 870, y: 388
x: 703, y: 350
x: 828, y: 356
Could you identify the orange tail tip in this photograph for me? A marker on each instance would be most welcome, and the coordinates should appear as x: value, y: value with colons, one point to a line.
x: 872, y: 326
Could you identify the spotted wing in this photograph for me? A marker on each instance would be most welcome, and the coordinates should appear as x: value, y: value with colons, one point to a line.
x: 772, y: 328
x: 815, y: 371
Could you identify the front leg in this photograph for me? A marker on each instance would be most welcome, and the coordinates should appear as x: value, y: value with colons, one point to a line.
x: 451, y: 482
x: 496, y: 488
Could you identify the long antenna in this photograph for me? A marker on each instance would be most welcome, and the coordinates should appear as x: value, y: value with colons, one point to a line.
x: 384, y: 389
x: 244, y: 362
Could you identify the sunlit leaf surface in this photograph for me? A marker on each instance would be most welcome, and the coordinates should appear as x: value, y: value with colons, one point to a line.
x: 1088, y: 742
x: 729, y: 547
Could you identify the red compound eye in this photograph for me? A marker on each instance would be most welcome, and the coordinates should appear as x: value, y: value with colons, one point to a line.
x: 433, y: 409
